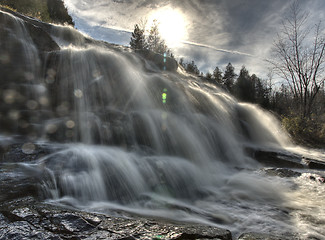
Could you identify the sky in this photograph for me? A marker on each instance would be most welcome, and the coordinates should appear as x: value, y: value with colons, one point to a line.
x: 216, y: 31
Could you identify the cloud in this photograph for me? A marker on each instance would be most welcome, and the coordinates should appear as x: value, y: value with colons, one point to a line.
x: 236, y: 31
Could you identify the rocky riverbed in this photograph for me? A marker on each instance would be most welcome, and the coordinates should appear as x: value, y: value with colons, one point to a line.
x: 25, y: 214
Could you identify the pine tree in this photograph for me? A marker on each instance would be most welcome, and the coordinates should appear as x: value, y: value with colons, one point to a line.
x: 192, y: 68
x: 262, y: 91
x: 154, y: 41
x: 138, y: 41
x: 229, y: 76
x: 208, y: 76
x: 245, y: 86
x: 217, y: 75
x: 181, y: 62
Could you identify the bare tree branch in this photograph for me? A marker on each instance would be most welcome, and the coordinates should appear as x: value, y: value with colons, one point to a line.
x: 300, y: 57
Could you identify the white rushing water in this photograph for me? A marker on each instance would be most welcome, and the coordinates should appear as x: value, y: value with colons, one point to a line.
x: 165, y: 144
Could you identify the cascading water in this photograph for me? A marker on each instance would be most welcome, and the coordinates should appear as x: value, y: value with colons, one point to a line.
x: 142, y: 140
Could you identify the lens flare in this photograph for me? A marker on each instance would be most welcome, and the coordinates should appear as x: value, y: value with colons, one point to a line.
x: 164, y: 96
x: 172, y: 25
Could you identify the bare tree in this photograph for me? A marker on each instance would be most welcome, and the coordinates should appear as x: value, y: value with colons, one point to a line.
x: 300, y: 58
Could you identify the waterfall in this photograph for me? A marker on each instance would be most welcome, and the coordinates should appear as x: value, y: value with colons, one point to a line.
x: 134, y: 137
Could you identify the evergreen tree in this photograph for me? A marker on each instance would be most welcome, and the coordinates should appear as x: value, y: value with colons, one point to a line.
x: 138, y: 41
x: 229, y: 76
x: 217, y: 75
x: 181, y: 62
x: 262, y: 91
x: 154, y: 41
x: 208, y: 76
x: 245, y: 87
x: 192, y: 68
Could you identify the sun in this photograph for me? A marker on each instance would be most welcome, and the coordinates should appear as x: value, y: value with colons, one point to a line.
x: 172, y: 25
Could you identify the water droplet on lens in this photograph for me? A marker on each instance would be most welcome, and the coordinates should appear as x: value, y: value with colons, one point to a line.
x: 14, y: 115
x: 70, y: 124
x: 31, y: 104
x: 5, y: 58
x: 9, y: 96
x: 29, y: 76
x: 28, y: 148
x: 44, y: 101
x: 78, y: 93
x: 51, y: 128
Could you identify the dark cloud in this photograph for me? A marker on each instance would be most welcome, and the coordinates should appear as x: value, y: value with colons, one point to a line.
x: 244, y: 26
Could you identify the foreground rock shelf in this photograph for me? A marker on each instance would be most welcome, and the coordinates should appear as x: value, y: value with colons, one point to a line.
x: 27, y: 219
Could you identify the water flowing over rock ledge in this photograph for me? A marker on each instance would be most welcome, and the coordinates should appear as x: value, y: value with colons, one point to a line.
x: 22, y: 216
x: 85, y: 120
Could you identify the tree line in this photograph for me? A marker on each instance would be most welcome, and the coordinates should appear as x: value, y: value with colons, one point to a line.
x: 152, y: 41
x: 298, y: 58
x: 245, y: 87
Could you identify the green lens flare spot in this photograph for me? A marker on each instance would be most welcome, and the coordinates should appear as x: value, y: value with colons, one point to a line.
x: 164, y: 96
x: 158, y: 237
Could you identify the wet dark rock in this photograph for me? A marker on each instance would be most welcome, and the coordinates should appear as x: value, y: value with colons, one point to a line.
x: 317, y: 178
x: 37, y: 31
x: 314, y: 164
x: 284, y: 160
x: 270, y: 158
x: 24, y: 152
x: 195, y: 232
x: 42, y: 39
x: 281, y: 172
x: 16, y: 179
x: 29, y: 219
x: 14, y: 186
x: 261, y: 236
x: 22, y: 230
